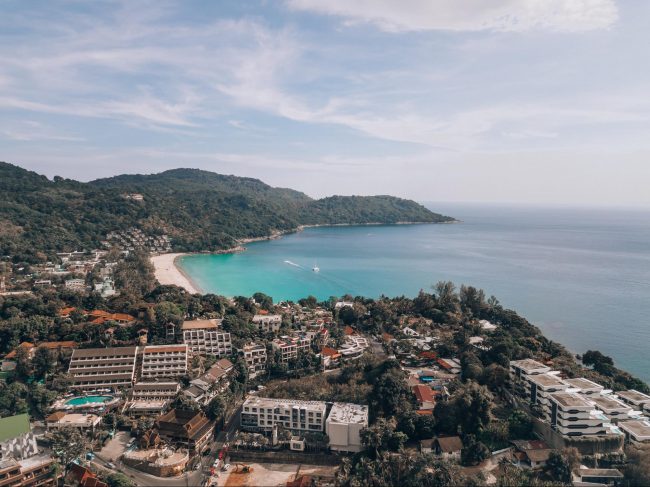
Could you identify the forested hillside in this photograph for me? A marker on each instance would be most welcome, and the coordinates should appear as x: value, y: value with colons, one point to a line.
x: 198, y: 209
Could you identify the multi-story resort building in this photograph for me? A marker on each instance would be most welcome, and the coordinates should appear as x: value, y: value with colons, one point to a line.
x: 205, y: 337
x: 574, y: 415
x: 267, y: 322
x: 637, y: 432
x: 344, y: 424
x: 615, y: 409
x: 103, y: 368
x: 637, y: 399
x: 291, y: 346
x: 262, y: 414
x: 186, y: 429
x: 164, y: 361
x: 155, y: 391
x: 520, y: 370
x: 539, y: 387
x: 255, y: 357
x: 585, y: 386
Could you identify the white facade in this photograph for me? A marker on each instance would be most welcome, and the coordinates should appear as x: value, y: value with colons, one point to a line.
x: 344, y: 424
x: 267, y: 322
x: 636, y: 432
x: 291, y: 347
x: 584, y: 386
x: 574, y: 415
x: 255, y: 357
x: 164, y: 361
x: 155, y: 391
x: 260, y: 413
x: 539, y: 387
x: 101, y: 368
x: 205, y: 337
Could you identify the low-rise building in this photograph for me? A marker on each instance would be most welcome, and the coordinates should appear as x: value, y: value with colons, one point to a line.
x: 291, y: 346
x: 353, y: 346
x: 214, y: 381
x: 267, y: 322
x: 262, y: 414
x: 102, y: 368
x: 344, y: 424
x: 448, y: 448
x: 530, y: 453
x: 205, y: 337
x: 255, y: 357
x: 81, y: 422
x: 424, y: 397
x: 164, y: 361
x: 186, y: 429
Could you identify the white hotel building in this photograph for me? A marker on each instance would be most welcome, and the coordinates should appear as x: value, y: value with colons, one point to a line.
x: 344, y: 424
x: 574, y: 415
x: 260, y: 413
x: 164, y: 361
x: 267, y: 322
x: 255, y: 357
x: 539, y: 388
x: 205, y: 337
x: 291, y: 346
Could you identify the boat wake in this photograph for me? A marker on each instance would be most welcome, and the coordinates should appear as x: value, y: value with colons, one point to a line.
x: 293, y: 264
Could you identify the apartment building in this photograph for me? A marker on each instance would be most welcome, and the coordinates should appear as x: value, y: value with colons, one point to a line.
x: 635, y: 398
x: 574, y: 415
x: 344, y: 424
x: 539, y: 387
x: 205, y: 337
x: 615, y: 409
x: 267, y: 322
x: 155, y: 391
x: 262, y: 414
x: 164, y: 361
x: 103, y: 368
x: 584, y: 386
x: 255, y: 357
x: 291, y: 346
x: 521, y: 369
x: 637, y: 432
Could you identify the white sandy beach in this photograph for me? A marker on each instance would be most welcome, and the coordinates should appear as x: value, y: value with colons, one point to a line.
x: 167, y: 273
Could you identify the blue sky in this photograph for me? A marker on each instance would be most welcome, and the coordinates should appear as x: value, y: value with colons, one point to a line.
x: 528, y: 101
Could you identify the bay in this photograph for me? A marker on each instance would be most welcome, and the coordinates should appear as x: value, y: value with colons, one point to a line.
x: 581, y: 275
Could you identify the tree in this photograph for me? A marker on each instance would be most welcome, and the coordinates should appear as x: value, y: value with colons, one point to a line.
x: 216, y: 408
x: 473, y: 404
x: 68, y: 444
x: 473, y: 452
x: 264, y: 301
x: 23, y: 363
x: 43, y: 362
x: 558, y: 467
x: 520, y: 425
x: 119, y: 480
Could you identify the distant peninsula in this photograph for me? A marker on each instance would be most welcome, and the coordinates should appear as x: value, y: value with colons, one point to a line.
x: 194, y: 210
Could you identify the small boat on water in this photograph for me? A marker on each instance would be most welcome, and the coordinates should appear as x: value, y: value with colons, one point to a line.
x: 315, y: 268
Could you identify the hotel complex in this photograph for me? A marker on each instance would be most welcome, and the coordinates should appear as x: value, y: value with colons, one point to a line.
x: 103, y: 368
x: 205, y: 337
x: 164, y: 361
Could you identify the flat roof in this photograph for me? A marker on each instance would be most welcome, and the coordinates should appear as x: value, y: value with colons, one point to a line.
x: 599, y: 472
x: 633, y: 396
x: 289, y: 403
x: 637, y: 428
x: 201, y: 324
x: 345, y: 412
x: 76, y: 418
x: 165, y: 348
x: 582, y: 383
x: 103, y: 352
x: 608, y: 402
x: 570, y: 399
x: 14, y: 426
x: 528, y: 364
x: 547, y: 380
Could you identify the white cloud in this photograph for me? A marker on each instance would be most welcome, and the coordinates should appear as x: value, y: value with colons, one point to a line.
x: 470, y: 15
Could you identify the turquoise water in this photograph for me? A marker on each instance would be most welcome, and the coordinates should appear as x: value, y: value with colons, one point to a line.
x: 81, y: 401
x: 581, y: 275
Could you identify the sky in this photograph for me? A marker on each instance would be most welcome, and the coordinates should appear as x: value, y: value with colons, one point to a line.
x: 519, y: 101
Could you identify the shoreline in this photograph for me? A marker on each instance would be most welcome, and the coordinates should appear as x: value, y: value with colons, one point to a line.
x: 169, y: 272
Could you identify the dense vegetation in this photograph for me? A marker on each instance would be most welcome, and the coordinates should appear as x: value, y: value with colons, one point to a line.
x: 200, y: 210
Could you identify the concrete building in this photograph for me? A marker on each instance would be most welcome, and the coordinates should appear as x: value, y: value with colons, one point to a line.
x: 344, y: 424
x: 81, y: 422
x: 267, y: 322
x: 103, y: 368
x: 614, y: 409
x: 521, y: 369
x: 186, y: 429
x: 574, y: 415
x: 291, y: 346
x: 213, y: 382
x: 637, y: 432
x: 353, y: 347
x: 635, y: 398
x: 164, y: 361
x: 155, y: 391
x: 205, y: 337
x: 584, y: 386
x: 262, y: 414
x: 255, y: 357
x: 539, y: 387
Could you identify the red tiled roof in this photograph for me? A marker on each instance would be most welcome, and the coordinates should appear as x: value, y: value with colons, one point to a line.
x: 63, y: 312
x: 55, y: 345
x: 25, y: 345
x: 428, y: 355
x: 348, y: 330
x: 424, y: 412
x: 423, y: 393
x: 330, y: 352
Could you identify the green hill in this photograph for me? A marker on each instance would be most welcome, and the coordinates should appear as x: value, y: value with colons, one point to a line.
x: 200, y: 210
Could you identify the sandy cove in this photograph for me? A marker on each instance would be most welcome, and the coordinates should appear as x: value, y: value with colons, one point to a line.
x: 168, y: 273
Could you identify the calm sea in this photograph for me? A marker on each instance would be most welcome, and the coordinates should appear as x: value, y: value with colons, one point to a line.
x: 581, y: 275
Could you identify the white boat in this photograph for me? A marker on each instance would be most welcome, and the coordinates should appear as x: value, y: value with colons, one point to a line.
x: 315, y: 268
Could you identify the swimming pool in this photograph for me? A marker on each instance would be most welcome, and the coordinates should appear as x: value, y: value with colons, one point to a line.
x: 84, y: 400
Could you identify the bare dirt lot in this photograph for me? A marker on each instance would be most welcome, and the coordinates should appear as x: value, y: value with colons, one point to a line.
x: 270, y: 474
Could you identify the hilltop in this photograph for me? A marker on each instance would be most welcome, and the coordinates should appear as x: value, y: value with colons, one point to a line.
x: 199, y: 210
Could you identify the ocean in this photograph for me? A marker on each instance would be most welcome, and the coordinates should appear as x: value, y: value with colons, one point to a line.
x: 581, y: 275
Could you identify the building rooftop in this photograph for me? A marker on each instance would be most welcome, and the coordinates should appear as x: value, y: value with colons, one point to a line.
x: 74, y: 418
x: 547, y: 380
x: 254, y: 401
x: 165, y: 348
x: 607, y: 403
x: 14, y: 426
x: 148, y: 386
x: 571, y: 399
x: 582, y: 383
x: 103, y: 352
x: 529, y: 365
x: 634, y: 396
x: 637, y: 428
x: 343, y: 412
x: 201, y: 324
